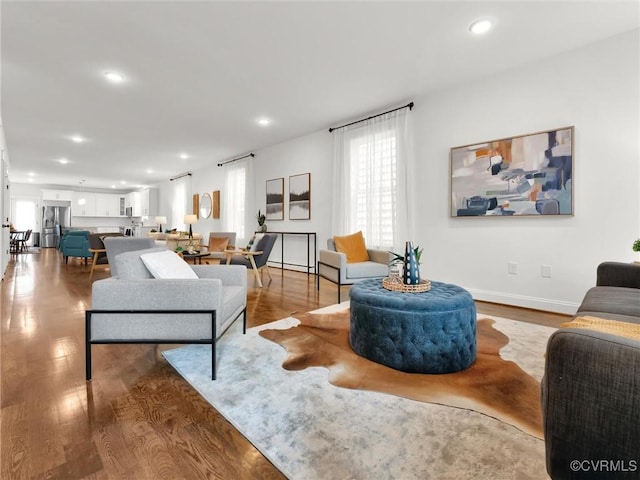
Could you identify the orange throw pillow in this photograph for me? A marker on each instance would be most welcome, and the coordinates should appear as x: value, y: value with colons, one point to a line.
x: 353, y: 247
x: 218, y: 244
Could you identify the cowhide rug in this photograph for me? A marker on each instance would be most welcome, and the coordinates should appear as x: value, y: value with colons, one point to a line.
x: 492, y: 386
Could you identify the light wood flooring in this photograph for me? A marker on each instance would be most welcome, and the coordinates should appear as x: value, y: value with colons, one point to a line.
x: 137, y: 419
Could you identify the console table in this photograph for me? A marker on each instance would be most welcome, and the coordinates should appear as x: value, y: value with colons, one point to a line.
x: 309, y: 236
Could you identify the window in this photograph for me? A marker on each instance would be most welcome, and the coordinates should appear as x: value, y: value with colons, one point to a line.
x: 373, y: 186
x: 179, y: 202
x: 370, y: 174
x: 235, y: 199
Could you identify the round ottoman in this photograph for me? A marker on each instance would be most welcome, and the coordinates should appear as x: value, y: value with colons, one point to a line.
x: 429, y: 332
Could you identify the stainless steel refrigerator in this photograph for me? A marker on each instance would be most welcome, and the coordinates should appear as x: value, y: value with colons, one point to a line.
x: 55, y: 220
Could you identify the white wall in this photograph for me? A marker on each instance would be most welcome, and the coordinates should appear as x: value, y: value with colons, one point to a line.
x: 594, y: 89
x: 308, y: 154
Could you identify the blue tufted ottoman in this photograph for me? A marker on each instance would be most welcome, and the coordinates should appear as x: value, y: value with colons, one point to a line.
x: 429, y: 332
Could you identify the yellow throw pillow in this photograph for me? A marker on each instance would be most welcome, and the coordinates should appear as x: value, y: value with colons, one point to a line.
x: 353, y: 247
x: 218, y: 244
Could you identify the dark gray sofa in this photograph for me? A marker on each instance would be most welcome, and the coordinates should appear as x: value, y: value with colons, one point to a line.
x: 591, y: 386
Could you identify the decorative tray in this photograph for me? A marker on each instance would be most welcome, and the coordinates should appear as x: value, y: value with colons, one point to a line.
x: 395, y: 284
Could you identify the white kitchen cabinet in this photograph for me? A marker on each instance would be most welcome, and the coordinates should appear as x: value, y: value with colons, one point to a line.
x: 149, y: 202
x: 83, y: 204
x: 59, y: 195
x: 107, y: 205
x: 134, y: 201
x: 122, y: 205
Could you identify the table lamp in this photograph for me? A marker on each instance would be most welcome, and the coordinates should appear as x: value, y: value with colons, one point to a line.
x: 160, y: 220
x: 190, y: 220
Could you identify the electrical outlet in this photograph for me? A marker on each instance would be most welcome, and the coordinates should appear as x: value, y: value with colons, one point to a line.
x: 512, y: 268
x: 546, y: 271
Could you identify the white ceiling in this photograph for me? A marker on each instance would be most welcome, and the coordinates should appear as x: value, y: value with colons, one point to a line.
x: 199, y: 74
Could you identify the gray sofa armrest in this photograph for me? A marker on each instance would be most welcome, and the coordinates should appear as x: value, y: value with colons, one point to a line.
x: 227, y: 274
x: 618, y: 274
x: 335, y: 261
x: 156, y: 294
x: 590, y: 400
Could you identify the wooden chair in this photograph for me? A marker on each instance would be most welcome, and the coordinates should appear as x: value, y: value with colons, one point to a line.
x: 217, y: 246
x: 264, y: 245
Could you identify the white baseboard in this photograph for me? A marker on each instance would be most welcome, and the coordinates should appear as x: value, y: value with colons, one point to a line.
x: 535, y: 303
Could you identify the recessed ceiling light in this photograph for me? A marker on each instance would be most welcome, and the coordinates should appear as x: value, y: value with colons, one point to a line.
x: 113, y: 186
x: 123, y: 182
x: 184, y: 156
x: 63, y: 161
x: 31, y: 174
x: 149, y: 170
x: 480, y: 26
x: 77, y: 139
x: 31, y: 179
x: 114, y: 77
x: 264, y: 121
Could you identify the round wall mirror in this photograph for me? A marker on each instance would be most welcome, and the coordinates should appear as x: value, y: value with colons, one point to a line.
x: 205, y: 205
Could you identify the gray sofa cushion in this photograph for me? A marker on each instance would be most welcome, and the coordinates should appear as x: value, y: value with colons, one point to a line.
x: 367, y: 270
x: 615, y: 300
x: 131, y: 267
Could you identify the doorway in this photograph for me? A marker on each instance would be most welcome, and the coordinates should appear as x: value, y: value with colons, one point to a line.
x: 24, y: 215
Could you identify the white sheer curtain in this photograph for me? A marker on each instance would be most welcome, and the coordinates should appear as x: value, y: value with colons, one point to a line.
x: 238, y: 198
x: 371, y: 172
x: 180, y: 192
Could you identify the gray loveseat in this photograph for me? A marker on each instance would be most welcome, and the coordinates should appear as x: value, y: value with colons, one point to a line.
x: 591, y: 386
x: 134, y: 307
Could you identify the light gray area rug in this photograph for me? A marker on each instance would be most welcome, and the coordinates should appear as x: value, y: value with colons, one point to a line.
x: 310, y: 429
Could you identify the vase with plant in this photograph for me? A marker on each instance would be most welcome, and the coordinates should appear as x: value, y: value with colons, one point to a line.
x: 261, y: 217
x: 410, y: 262
x: 636, y: 247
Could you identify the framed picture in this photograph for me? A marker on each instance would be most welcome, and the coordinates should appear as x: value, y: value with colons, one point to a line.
x: 300, y: 197
x: 196, y: 205
x: 215, y: 208
x: 275, y: 199
x: 518, y: 176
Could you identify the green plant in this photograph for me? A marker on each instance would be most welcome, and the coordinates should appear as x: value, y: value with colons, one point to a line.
x: 179, y: 249
x: 261, y: 218
x: 636, y: 245
x: 399, y: 258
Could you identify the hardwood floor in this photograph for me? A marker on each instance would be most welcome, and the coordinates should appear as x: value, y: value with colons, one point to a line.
x: 137, y: 418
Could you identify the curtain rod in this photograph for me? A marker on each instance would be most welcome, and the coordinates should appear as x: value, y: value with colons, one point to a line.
x: 239, y: 158
x: 180, y: 176
x: 408, y: 105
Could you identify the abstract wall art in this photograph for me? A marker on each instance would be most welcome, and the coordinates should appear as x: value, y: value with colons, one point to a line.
x: 300, y: 197
x: 518, y: 176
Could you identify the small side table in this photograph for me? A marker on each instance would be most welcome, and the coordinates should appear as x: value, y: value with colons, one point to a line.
x: 96, y: 253
x: 250, y: 255
x: 197, y: 257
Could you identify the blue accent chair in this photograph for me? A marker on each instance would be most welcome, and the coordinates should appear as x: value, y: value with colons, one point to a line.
x: 75, y: 243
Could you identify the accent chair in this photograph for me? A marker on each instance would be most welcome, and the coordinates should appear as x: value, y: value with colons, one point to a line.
x: 169, y: 302
x: 336, y: 267
x: 75, y: 243
x: 217, y: 244
x: 264, y: 245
